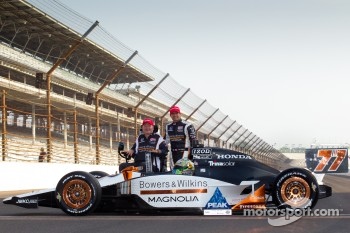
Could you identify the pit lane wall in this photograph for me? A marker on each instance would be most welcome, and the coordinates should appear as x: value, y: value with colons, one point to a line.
x: 31, y: 176
x: 296, y: 159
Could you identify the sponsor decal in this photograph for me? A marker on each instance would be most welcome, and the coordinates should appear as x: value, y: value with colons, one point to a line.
x: 173, y: 191
x: 27, y: 201
x: 221, y: 164
x: 217, y: 212
x: 252, y: 206
x: 173, y: 199
x: 145, y: 184
x: 176, y: 138
x: 170, y: 129
x: 227, y: 156
x: 173, y: 184
x: 217, y: 201
x: 202, y: 151
x: 255, y: 200
x: 202, y: 157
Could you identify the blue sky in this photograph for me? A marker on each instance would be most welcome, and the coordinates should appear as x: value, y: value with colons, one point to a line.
x: 280, y: 68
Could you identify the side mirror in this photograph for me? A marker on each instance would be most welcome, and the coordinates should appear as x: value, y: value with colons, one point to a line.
x: 120, y: 146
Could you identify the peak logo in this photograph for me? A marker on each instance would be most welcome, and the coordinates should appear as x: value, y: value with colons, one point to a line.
x: 217, y: 201
x: 217, y: 206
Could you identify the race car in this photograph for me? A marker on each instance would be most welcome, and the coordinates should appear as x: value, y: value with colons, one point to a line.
x: 217, y: 181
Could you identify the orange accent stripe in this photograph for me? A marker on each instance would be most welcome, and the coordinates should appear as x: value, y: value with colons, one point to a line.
x: 173, y: 191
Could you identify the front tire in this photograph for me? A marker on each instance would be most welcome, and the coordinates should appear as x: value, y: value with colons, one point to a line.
x: 295, y: 188
x: 78, y: 193
x: 99, y: 174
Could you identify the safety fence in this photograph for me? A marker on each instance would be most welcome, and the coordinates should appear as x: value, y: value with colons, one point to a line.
x: 24, y: 133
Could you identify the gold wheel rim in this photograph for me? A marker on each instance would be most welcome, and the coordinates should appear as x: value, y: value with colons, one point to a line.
x: 295, y: 191
x: 77, y: 194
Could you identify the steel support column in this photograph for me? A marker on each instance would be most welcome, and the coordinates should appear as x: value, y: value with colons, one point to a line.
x: 233, y: 134
x: 199, y: 127
x: 226, y: 130
x: 65, y: 133
x: 189, y: 116
x: 76, y: 156
x: 33, y: 124
x: 177, y: 101
x: 253, y: 143
x: 244, y: 139
x: 3, y: 126
x: 48, y: 89
x: 216, y: 127
x: 97, y: 104
x: 145, y: 97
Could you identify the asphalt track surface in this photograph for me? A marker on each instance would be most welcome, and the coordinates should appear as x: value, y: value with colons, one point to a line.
x: 14, y: 219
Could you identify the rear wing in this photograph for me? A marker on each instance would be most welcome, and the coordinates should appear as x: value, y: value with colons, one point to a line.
x: 327, y: 160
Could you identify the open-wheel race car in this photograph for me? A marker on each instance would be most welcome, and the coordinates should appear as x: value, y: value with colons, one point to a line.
x: 221, y: 181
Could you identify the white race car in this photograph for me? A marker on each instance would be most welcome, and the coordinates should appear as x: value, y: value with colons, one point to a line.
x: 218, y: 181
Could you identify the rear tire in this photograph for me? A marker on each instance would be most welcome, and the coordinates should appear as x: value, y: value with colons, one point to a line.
x: 78, y: 193
x: 295, y: 188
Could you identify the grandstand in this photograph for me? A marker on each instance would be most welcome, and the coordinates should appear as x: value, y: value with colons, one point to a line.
x: 69, y: 86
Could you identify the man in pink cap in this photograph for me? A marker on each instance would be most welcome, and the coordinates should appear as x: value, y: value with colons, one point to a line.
x: 180, y: 134
x: 151, y: 142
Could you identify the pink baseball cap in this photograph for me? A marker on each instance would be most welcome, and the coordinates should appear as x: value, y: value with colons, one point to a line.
x: 174, y: 109
x: 147, y: 121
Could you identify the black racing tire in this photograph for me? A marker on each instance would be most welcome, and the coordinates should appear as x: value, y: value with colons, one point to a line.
x: 78, y: 193
x: 99, y: 174
x: 295, y: 188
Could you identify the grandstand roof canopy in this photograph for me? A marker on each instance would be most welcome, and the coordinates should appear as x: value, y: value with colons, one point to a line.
x: 33, y: 32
